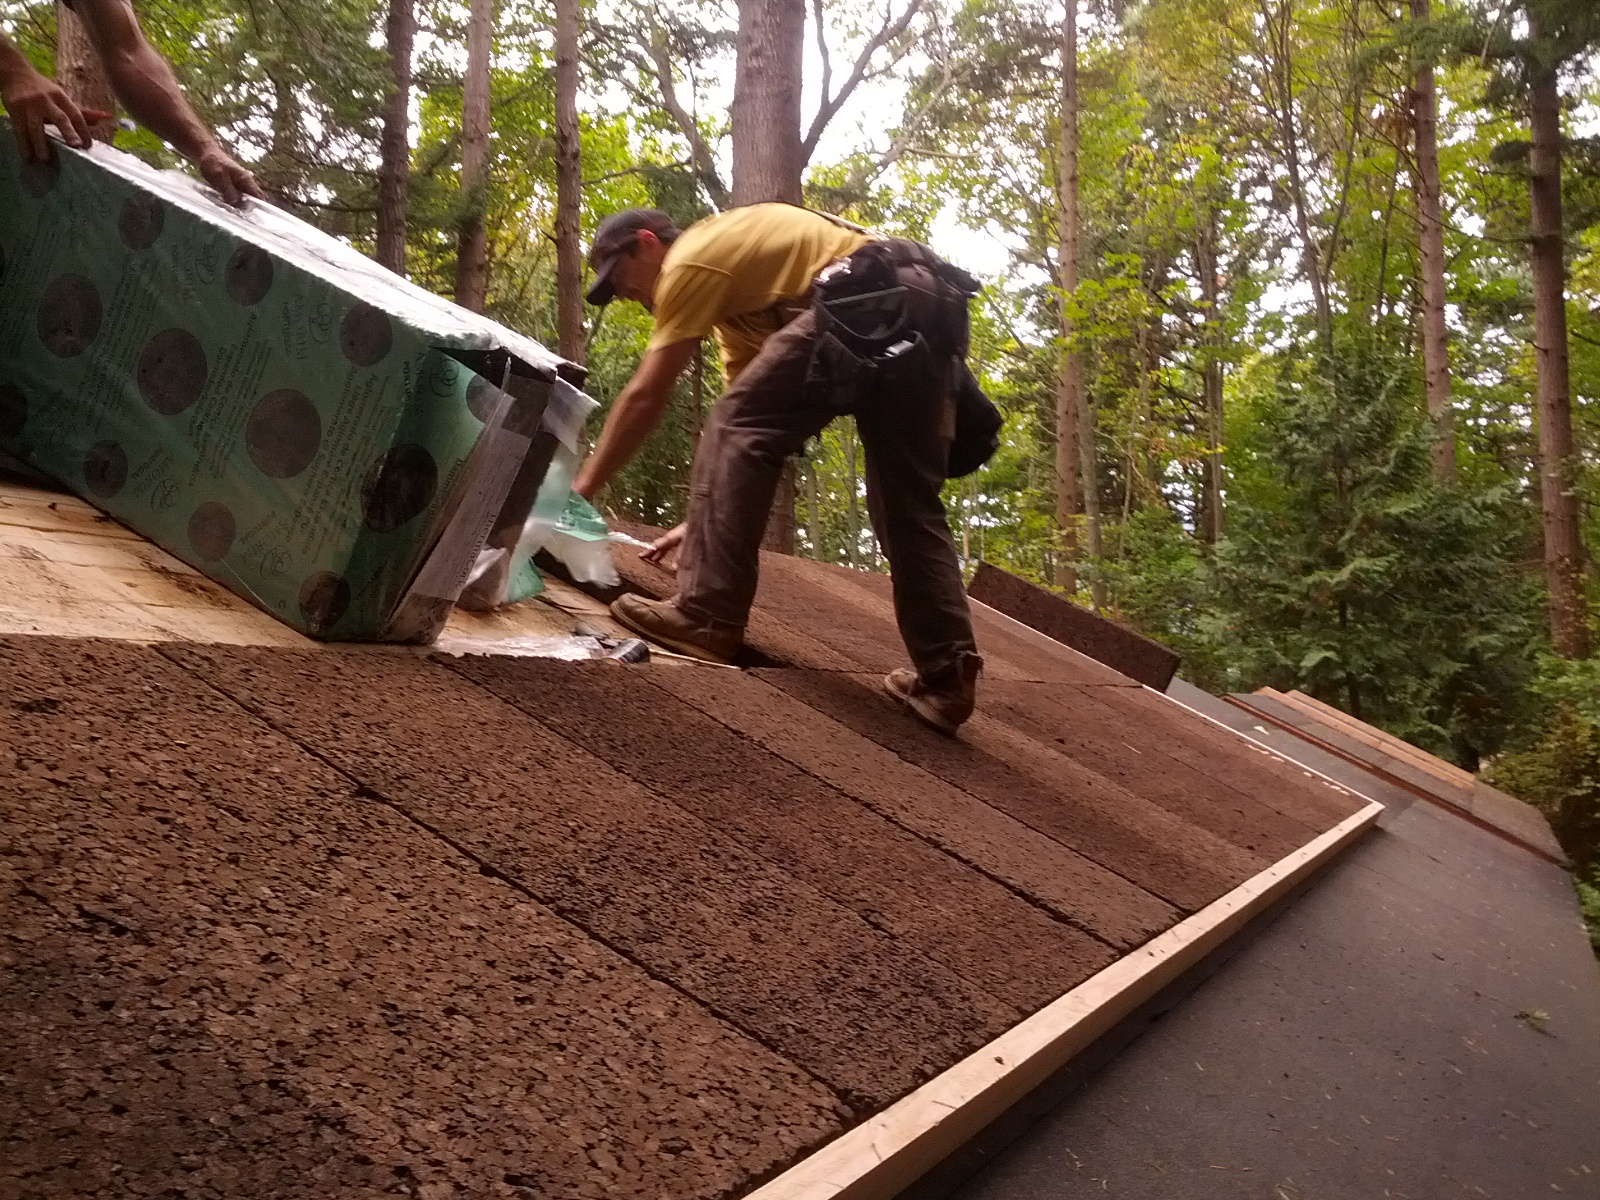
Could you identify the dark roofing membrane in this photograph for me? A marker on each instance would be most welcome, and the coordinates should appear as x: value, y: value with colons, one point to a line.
x: 370, y: 922
x: 1424, y: 1022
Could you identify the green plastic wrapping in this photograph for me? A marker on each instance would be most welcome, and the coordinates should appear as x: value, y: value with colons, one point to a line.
x: 261, y: 400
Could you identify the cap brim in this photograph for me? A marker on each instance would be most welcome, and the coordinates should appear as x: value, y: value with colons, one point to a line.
x: 601, y: 292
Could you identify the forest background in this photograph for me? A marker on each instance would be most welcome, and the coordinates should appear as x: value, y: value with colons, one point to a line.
x: 1292, y: 306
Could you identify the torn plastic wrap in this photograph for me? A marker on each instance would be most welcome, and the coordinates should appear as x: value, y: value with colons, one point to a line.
x: 311, y: 431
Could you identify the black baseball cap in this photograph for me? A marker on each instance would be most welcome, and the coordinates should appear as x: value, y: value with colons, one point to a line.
x: 617, y: 235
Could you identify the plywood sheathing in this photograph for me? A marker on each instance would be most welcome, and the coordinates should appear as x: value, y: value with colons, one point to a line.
x: 927, y: 900
x: 1057, y: 617
x: 1481, y: 804
x: 860, y: 1009
x: 230, y: 972
x: 68, y: 570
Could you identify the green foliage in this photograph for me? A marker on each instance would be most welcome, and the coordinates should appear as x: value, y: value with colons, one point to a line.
x: 1348, y: 573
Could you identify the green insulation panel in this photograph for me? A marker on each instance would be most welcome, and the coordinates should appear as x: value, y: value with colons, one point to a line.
x: 258, y: 398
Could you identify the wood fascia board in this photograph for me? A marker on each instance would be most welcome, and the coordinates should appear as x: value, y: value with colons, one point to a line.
x: 1461, y: 808
x: 888, y: 1152
x: 1387, y: 743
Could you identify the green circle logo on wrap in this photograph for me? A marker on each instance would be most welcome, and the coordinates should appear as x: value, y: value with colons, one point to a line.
x: 212, y: 530
x: 105, y: 469
x: 248, y: 275
x: 365, y: 335
x: 141, y: 221
x: 69, y: 315
x: 283, y: 433
x: 398, y: 487
x: 172, y: 371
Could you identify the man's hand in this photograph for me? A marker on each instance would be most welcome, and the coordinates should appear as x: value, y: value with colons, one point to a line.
x: 34, y: 102
x: 232, y: 181
x: 664, y: 549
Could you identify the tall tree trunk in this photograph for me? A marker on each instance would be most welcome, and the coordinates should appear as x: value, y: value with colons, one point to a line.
x: 768, y: 158
x: 1070, y: 487
x: 1563, y: 545
x: 569, y: 187
x: 1430, y: 245
x: 1211, y: 383
x: 394, y: 161
x: 1282, y: 70
x: 472, y: 246
x: 79, y: 73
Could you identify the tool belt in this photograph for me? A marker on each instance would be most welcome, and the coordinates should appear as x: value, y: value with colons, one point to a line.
x: 868, y: 344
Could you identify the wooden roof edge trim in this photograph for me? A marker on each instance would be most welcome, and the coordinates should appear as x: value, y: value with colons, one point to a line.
x: 1558, y: 856
x: 882, y: 1156
x: 1380, y: 739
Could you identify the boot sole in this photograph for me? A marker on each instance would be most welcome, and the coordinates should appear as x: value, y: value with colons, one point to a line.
x: 678, y: 645
x: 928, y: 717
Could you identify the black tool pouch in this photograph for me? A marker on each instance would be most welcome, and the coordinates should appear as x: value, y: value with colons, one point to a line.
x: 864, y: 342
x: 978, y: 424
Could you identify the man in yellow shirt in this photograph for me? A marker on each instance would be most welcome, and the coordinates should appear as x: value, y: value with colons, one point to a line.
x: 891, y: 360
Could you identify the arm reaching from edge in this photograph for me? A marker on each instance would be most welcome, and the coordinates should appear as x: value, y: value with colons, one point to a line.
x: 145, y: 83
x: 34, y: 102
x: 634, y: 415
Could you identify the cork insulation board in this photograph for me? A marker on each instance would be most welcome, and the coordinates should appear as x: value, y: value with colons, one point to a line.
x: 259, y: 399
x: 329, y: 922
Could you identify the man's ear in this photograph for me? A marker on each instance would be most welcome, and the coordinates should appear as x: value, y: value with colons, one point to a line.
x: 647, y: 237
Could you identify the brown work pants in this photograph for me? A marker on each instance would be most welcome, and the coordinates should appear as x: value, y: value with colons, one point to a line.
x: 766, y: 416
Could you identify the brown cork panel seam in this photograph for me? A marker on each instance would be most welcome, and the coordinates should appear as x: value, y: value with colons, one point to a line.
x: 1113, y: 826
x: 940, y: 907
x: 1129, y: 750
x: 1037, y: 866
x: 228, y: 974
x: 782, y: 962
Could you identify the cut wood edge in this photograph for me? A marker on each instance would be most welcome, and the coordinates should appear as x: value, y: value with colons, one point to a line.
x: 1044, y: 640
x: 1537, y: 840
x: 885, y: 1154
x: 1377, y: 739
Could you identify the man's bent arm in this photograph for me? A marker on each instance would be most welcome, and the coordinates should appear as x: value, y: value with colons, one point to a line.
x: 34, y: 102
x: 145, y: 83
x: 634, y: 415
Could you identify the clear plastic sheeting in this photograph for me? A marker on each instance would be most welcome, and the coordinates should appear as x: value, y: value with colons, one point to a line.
x: 575, y: 647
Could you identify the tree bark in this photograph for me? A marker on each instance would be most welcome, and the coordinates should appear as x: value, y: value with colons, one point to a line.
x: 569, y: 187
x: 1211, y: 383
x: 767, y: 157
x: 394, y: 163
x: 472, y: 247
x: 80, y: 74
x: 1070, y: 450
x: 1430, y: 246
x: 1563, y: 544
x: 1282, y: 71
x: 766, y: 102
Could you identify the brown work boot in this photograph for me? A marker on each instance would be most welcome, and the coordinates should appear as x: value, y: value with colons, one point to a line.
x: 664, y: 622
x: 944, y: 706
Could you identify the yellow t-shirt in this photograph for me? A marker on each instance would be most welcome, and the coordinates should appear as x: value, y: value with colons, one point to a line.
x: 726, y: 274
